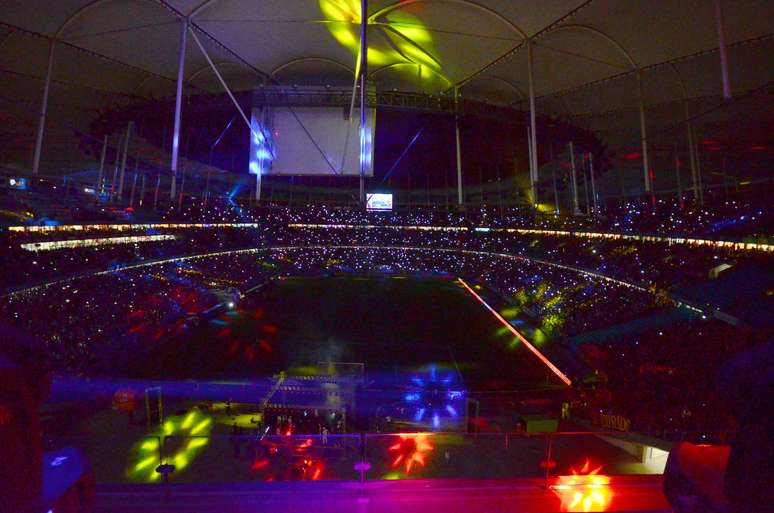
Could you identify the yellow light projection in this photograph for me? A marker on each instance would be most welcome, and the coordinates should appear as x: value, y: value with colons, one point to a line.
x: 403, y: 41
x: 192, y: 434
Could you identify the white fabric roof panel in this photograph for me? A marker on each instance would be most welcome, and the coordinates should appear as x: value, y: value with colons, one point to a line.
x: 417, y: 45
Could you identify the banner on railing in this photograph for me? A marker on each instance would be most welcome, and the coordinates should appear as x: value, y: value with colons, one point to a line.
x: 617, y: 422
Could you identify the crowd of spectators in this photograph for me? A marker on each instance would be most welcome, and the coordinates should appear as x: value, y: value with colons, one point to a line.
x: 717, y: 218
x: 664, y: 379
x: 126, y: 308
x: 67, y: 313
x: 27, y: 268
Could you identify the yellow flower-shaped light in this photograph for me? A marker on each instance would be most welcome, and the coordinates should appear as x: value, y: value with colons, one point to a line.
x: 194, y: 424
x: 411, y: 448
x: 402, y: 38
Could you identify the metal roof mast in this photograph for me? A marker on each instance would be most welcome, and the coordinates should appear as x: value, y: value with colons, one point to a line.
x: 363, y: 73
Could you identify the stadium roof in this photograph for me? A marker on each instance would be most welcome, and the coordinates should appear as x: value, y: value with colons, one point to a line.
x: 586, y: 53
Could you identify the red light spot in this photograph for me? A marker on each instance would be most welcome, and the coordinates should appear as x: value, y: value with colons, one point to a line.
x: 5, y: 415
x: 584, y: 491
x: 259, y: 464
x: 303, y: 465
x: 410, y: 449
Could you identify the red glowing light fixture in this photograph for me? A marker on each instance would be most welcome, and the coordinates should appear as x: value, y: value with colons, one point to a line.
x: 5, y: 415
x: 518, y: 335
x: 584, y: 491
x: 259, y: 465
x: 409, y: 449
x: 303, y: 465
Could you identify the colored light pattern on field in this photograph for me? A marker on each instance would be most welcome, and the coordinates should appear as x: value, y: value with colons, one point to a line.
x: 288, y: 459
x: 191, y: 434
x: 584, y: 491
x: 434, y: 397
x: 553, y: 368
x: 404, y: 39
x: 410, y: 448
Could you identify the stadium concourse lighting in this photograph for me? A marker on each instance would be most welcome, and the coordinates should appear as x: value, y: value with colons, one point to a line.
x: 518, y: 335
x: 104, y: 241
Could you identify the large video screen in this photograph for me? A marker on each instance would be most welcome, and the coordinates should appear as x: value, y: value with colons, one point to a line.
x: 379, y: 202
x: 309, y: 141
